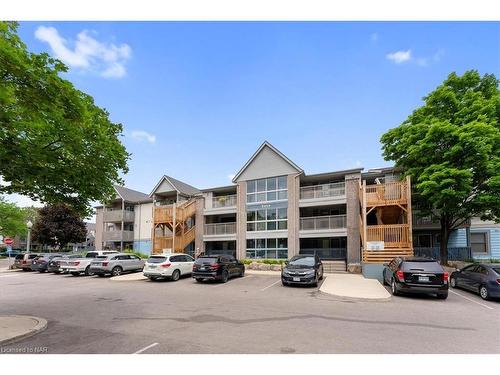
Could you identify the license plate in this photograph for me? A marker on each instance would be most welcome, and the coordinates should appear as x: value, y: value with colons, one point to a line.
x: 152, y: 266
x: 296, y: 279
x: 423, y: 278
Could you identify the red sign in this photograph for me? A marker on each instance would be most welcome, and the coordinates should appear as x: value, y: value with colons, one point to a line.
x: 8, y: 241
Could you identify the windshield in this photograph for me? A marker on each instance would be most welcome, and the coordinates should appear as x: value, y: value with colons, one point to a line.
x: 157, y: 259
x: 102, y: 257
x: 91, y: 255
x: 430, y: 266
x: 206, y: 260
x: 302, y: 261
x: 496, y: 269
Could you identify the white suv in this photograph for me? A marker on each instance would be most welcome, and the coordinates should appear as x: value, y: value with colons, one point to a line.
x: 171, y: 266
x: 82, y: 265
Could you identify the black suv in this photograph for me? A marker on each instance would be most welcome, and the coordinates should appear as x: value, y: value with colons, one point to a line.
x: 302, y: 269
x: 416, y: 275
x: 217, y: 267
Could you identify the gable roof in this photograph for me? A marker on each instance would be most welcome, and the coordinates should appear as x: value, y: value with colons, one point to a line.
x: 179, y: 186
x: 130, y: 195
x: 259, y: 150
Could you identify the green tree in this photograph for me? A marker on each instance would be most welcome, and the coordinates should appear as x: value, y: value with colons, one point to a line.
x: 451, y: 148
x: 58, y: 225
x: 12, y: 219
x: 57, y: 145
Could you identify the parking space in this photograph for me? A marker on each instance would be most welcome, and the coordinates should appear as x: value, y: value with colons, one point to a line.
x: 253, y: 314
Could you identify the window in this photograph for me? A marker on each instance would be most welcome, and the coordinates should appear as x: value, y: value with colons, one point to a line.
x: 267, y: 219
x: 267, y: 189
x: 267, y: 248
x: 424, y: 240
x: 479, y: 242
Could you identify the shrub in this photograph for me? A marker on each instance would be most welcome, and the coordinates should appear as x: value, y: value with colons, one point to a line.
x: 140, y: 255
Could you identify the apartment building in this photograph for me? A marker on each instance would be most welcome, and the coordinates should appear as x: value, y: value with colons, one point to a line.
x: 273, y: 209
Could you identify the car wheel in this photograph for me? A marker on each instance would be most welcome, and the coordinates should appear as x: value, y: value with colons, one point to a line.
x: 483, y: 292
x: 242, y: 273
x: 453, y: 282
x: 225, y: 276
x: 321, y: 275
x: 176, y: 275
x: 442, y: 295
x: 116, y: 271
x: 88, y: 272
x: 394, y: 289
x: 284, y: 282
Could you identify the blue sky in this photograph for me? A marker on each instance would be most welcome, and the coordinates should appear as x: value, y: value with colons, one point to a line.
x: 197, y: 98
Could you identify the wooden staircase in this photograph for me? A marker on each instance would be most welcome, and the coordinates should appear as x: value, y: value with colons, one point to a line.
x: 177, y: 224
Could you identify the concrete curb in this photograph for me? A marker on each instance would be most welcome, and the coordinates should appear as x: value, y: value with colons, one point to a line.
x: 262, y: 272
x: 354, y: 288
x: 136, y: 276
x: 39, y: 327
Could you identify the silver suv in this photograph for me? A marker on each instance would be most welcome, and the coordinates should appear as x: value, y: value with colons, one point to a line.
x: 116, y: 264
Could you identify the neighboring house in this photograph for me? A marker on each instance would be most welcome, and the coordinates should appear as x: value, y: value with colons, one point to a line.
x: 123, y: 223
x: 273, y: 210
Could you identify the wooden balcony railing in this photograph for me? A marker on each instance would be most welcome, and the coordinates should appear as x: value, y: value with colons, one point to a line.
x: 183, y: 211
x: 389, y: 193
x: 164, y: 214
x: 394, y: 236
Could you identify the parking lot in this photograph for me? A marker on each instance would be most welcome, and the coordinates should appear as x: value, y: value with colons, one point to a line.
x: 254, y: 314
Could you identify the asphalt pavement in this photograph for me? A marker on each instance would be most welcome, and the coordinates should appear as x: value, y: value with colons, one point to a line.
x: 253, y: 314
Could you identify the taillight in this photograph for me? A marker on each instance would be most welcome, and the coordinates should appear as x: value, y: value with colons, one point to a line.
x: 76, y: 263
x: 104, y: 264
x: 195, y: 266
x: 445, y: 276
x: 400, y: 275
x: 165, y: 265
x: 498, y: 281
x: 24, y: 262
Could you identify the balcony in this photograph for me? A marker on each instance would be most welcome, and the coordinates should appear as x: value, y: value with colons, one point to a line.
x: 224, y: 201
x: 323, y: 226
x: 116, y: 216
x: 220, y: 229
x: 393, y: 236
x: 119, y: 235
x: 387, y: 194
x: 333, y: 193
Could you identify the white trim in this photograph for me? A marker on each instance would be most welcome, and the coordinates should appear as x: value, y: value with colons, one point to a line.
x: 266, y: 143
x: 159, y: 183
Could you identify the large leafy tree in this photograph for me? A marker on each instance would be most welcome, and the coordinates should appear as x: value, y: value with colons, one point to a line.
x: 12, y: 219
x: 58, y: 225
x: 57, y: 145
x: 451, y: 148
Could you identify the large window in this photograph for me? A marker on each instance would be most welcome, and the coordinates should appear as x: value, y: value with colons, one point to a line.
x: 479, y: 242
x: 267, y: 219
x: 267, y: 248
x: 267, y: 190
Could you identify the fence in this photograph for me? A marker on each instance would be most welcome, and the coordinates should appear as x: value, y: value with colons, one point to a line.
x: 454, y: 253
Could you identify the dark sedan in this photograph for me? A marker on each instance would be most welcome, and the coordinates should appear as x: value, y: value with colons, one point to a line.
x: 217, y: 267
x: 416, y: 275
x: 482, y: 278
x: 302, y: 269
x: 41, y: 262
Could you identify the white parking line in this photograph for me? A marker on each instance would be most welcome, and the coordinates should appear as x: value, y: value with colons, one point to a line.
x: 269, y: 286
x: 231, y: 281
x: 468, y: 299
x: 146, y: 348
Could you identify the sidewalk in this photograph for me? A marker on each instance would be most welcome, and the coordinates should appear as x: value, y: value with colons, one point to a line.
x: 17, y: 327
x: 136, y: 276
x: 354, y: 287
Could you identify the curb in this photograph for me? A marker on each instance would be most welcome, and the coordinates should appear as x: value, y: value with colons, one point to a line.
x: 125, y: 278
x: 39, y: 327
x: 354, y: 299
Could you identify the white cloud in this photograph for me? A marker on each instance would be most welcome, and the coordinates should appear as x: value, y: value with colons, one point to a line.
x: 141, y: 135
x: 399, y: 57
x: 374, y: 37
x: 434, y: 59
x: 88, y: 53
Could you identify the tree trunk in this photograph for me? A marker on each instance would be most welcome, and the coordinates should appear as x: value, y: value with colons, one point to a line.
x: 443, y: 245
